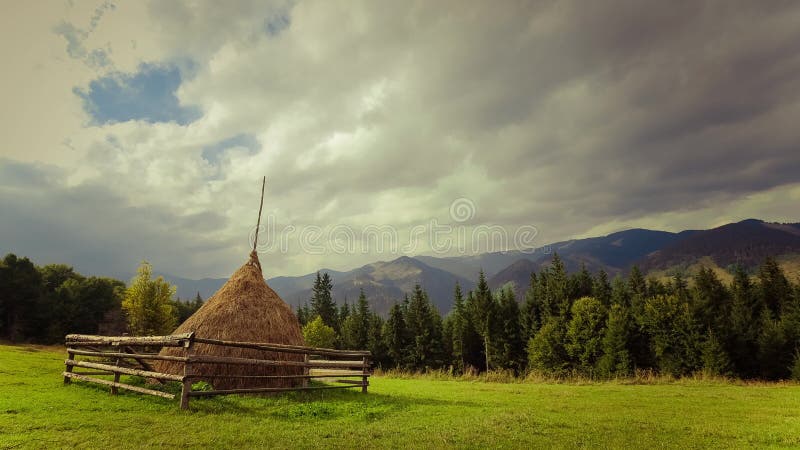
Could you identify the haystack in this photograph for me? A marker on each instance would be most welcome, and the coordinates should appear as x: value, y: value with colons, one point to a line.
x: 244, y: 309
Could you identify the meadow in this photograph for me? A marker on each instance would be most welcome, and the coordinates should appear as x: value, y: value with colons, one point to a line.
x: 38, y: 411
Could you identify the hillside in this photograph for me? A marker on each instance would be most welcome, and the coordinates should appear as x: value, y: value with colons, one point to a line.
x: 657, y: 252
x: 384, y: 283
x: 747, y: 243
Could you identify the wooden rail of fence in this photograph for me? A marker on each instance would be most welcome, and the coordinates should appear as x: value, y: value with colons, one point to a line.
x: 130, y: 355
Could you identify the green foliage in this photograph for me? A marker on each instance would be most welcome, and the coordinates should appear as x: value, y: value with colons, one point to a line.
x: 546, y: 352
x: 557, y: 300
x: 318, y: 334
x: 322, y: 303
x: 616, y: 360
x: 601, y: 288
x: 185, y: 309
x: 675, y: 340
x: 396, y: 336
x: 508, y: 342
x: 773, y: 362
x: 714, y: 357
x: 424, y: 324
x: 585, y: 332
x: 532, y: 312
x: 356, y: 326
x: 148, y: 304
x: 774, y: 288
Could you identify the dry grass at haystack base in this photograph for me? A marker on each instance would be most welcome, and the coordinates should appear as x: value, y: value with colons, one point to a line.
x: 244, y: 309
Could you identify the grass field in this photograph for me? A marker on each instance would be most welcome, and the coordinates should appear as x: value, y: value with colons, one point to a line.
x: 38, y: 411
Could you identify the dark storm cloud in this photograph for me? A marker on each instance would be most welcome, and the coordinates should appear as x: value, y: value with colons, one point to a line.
x: 98, y: 231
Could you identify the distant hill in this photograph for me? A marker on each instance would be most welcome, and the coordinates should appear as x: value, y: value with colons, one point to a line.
x: 518, y: 273
x: 747, y: 243
x: 385, y: 282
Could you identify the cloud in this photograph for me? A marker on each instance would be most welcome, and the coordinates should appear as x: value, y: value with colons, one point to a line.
x: 569, y: 116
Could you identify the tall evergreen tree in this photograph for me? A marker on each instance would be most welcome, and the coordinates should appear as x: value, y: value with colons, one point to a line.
x: 396, y: 337
x: 601, y: 288
x: 616, y: 359
x: 675, y: 339
x: 483, y: 316
x: 745, y: 324
x: 558, y: 300
x: 774, y: 288
x: 714, y: 357
x: 581, y: 283
x: 425, y: 328
x: 322, y: 301
x: 532, y: 313
x: 356, y: 327
x: 619, y: 293
x: 711, y: 303
x: 509, y: 345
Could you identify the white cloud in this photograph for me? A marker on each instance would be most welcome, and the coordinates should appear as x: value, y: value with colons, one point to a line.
x: 575, y: 118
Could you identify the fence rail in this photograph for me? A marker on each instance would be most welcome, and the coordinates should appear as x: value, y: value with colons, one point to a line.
x: 129, y: 355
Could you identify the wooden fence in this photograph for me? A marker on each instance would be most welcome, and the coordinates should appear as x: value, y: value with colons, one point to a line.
x: 131, y: 355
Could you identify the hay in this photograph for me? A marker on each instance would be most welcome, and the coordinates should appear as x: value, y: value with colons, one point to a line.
x: 244, y: 309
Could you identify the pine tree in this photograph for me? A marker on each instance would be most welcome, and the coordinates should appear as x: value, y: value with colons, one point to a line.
x: 745, y: 324
x: 711, y: 303
x: 509, y: 345
x: 356, y: 327
x: 641, y: 347
x: 796, y: 367
x: 675, y: 340
x: 557, y: 289
x: 483, y: 316
x: 581, y: 283
x: 774, y: 288
x: 322, y: 301
x: 616, y: 360
x: 619, y: 293
x: 425, y: 328
x: 601, y: 288
x: 472, y: 344
x: 774, y: 363
x: 531, y: 315
x: 396, y: 337
x: 714, y: 357
x: 376, y: 344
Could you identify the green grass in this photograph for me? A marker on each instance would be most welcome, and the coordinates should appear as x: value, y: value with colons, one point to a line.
x: 38, y: 411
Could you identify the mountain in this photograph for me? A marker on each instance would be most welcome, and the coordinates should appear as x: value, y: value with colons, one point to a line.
x: 747, y: 243
x: 384, y: 283
x: 518, y: 273
x: 187, y: 289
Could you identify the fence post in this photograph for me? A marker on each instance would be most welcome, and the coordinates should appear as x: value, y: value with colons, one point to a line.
x: 116, y: 379
x: 71, y: 357
x: 187, y: 382
x: 365, y: 372
x: 306, y: 370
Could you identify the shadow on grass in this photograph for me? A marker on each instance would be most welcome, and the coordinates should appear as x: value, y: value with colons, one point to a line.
x: 300, y: 405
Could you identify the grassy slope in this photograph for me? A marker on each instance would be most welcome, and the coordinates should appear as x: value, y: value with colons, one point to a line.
x: 37, y: 411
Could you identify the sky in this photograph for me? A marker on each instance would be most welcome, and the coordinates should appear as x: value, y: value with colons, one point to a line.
x: 141, y: 130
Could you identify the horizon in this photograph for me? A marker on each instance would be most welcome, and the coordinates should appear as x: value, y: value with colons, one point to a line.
x: 128, y: 138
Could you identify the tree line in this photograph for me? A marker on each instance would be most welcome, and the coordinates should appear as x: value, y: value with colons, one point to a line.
x: 42, y: 304
x: 581, y: 324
